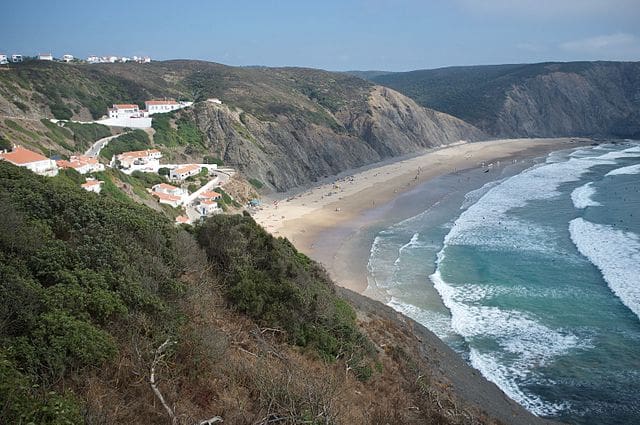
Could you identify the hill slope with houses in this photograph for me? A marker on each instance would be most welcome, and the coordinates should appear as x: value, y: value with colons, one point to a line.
x: 280, y: 127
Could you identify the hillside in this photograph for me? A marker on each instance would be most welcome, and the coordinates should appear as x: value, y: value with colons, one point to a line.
x: 282, y: 126
x: 111, y: 314
x: 536, y: 100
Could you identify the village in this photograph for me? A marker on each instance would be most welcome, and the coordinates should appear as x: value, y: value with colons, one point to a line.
x: 92, y: 59
x: 178, y: 192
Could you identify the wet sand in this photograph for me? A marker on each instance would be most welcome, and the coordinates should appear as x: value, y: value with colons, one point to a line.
x: 332, y: 222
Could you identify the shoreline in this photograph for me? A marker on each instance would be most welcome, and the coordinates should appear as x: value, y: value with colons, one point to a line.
x: 330, y: 222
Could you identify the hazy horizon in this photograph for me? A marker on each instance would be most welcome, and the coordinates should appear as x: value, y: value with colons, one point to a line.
x: 381, y: 35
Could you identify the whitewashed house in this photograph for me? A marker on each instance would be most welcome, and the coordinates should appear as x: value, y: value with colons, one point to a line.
x: 184, y: 171
x: 45, y: 57
x: 92, y: 185
x: 168, y: 189
x: 207, y: 207
x: 215, y: 100
x: 3, y: 59
x: 67, y: 58
x: 93, y: 59
x: 210, y: 195
x: 183, y: 219
x: 16, y: 58
x: 82, y: 164
x: 163, y: 198
x: 147, y: 160
x: 124, y: 110
x: 35, y: 162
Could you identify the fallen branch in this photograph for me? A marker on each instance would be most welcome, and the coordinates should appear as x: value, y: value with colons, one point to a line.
x: 159, y: 355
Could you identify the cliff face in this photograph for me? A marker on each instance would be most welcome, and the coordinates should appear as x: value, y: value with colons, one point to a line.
x: 537, y: 100
x: 290, y: 151
x: 282, y: 126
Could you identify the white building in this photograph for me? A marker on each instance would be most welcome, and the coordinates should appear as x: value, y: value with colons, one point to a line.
x: 93, y: 59
x: 183, y: 219
x: 16, y: 58
x: 168, y: 189
x: 92, y: 185
x: 45, y: 57
x: 82, y: 164
x: 210, y: 195
x: 159, y: 106
x: 184, y: 171
x: 124, y: 110
x: 147, y: 160
x: 3, y: 59
x: 33, y: 161
x: 215, y: 100
x: 163, y: 198
x: 67, y: 58
x: 207, y: 207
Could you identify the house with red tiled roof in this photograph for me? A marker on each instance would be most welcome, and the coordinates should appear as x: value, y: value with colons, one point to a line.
x: 183, y: 219
x: 35, y: 162
x: 207, y: 207
x: 146, y: 160
x: 184, y: 171
x: 82, y: 164
x: 164, y: 198
x: 168, y: 189
x: 211, y: 195
x: 92, y: 185
x: 124, y: 110
x: 159, y: 106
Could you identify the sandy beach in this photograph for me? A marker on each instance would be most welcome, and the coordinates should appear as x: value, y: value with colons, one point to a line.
x: 325, y: 222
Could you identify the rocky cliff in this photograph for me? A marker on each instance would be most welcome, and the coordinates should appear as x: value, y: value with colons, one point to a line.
x: 289, y: 151
x: 282, y: 126
x: 537, y: 100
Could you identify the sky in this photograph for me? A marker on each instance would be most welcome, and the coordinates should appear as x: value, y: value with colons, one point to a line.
x: 339, y: 35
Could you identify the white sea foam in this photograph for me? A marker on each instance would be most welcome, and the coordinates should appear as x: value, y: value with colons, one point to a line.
x: 524, y: 343
x: 473, y: 196
x: 486, y: 223
x: 506, y: 378
x: 582, y: 196
x: 438, y: 323
x: 631, y: 169
x: 616, y: 253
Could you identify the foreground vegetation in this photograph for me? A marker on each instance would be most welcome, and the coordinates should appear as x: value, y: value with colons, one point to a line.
x: 111, y: 314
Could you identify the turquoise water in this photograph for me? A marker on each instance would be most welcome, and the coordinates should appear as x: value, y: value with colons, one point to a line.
x: 535, y: 280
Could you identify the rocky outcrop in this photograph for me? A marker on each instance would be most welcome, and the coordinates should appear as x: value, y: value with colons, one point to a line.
x: 291, y: 151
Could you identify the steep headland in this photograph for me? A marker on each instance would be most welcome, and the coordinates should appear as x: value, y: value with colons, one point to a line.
x: 531, y: 100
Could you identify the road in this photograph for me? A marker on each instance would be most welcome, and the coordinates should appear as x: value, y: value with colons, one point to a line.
x: 94, y: 150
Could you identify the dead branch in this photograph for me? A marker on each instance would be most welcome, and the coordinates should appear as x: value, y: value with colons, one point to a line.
x: 159, y: 355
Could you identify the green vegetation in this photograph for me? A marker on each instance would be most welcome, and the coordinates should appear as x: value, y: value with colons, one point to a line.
x: 85, y: 134
x: 212, y: 160
x: 79, y: 278
x: 61, y: 110
x: 133, y: 141
x: 279, y: 287
x: 17, y: 127
x: 185, y: 132
x: 4, y: 143
x: 226, y: 200
x: 57, y: 134
x: 256, y: 183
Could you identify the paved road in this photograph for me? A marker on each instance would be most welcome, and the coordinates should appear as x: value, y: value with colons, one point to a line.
x: 94, y: 150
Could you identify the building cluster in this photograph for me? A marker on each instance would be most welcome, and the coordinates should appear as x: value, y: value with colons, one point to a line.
x: 16, y: 58
x: 4, y: 59
x: 118, y: 59
x: 202, y: 203
x: 128, y: 110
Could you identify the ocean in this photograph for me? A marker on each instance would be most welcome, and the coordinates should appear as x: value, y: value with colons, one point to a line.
x: 534, y: 279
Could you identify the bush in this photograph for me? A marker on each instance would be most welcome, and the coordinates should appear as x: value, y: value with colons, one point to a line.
x: 256, y: 183
x: 134, y: 141
x: 212, y: 160
x: 164, y: 171
x: 61, y: 111
x: 280, y: 287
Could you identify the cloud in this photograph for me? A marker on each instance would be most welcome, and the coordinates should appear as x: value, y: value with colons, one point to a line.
x: 619, y: 42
